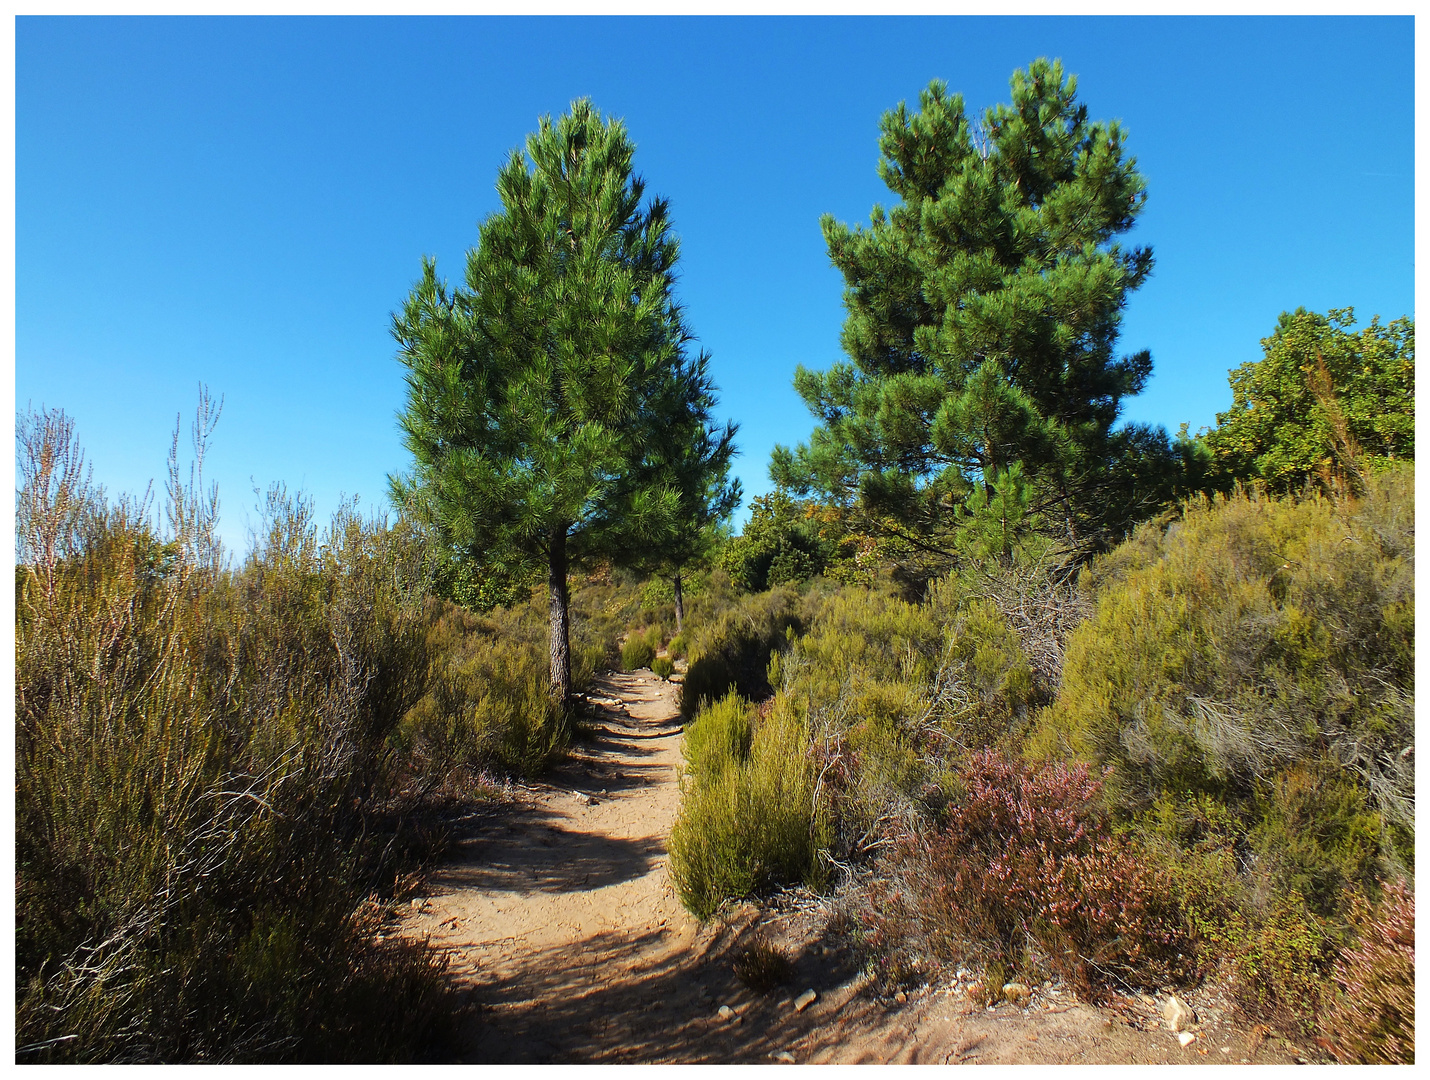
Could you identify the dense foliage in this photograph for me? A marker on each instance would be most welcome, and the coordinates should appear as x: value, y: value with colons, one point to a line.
x: 554, y: 415
x: 1261, y: 651
x: 1324, y: 403
x: 984, y: 309
x: 1242, y: 669
x: 225, y: 776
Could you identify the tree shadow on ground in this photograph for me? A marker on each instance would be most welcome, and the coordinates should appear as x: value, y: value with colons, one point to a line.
x: 624, y: 998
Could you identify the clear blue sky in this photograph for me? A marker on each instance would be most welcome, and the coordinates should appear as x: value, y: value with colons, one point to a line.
x: 244, y: 202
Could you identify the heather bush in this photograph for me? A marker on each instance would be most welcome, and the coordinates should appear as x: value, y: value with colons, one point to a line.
x: 663, y: 667
x: 1373, y: 1021
x: 1028, y: 855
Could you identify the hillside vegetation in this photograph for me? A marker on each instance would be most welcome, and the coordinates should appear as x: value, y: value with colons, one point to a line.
x: 1036, y: 691
x: 225, y: 776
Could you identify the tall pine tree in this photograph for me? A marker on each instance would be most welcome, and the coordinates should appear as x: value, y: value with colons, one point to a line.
x: 692, y: 457
x: 983, y: 313
x: 538, y: 392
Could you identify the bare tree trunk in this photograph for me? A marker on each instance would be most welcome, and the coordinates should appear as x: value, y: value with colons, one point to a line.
x: 560, y: 621
x: 679, y: 604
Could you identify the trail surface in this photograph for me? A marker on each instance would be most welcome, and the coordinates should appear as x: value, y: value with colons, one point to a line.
x: 567, y: 939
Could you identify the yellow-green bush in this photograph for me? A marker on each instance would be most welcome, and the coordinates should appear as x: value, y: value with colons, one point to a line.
x: 748, y: 811
x: 880, y: 698
x: 1250, y: 641
x: 204, y: 791
x: 732, y: 651
x: 488, y: 705
x: 640, y: 648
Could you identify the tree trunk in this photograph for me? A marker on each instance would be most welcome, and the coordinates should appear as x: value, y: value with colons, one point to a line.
x: 560, y: 621
x: 679, y: 604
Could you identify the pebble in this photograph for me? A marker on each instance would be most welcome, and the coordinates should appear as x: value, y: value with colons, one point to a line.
x: 785, y: 1056
x: 805, y: 1000
x: 1186, y: 1038
x: 1178, y: 1013
x: 726, y: 1013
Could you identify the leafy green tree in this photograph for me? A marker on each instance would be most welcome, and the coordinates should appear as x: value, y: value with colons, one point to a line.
x: 983, y: 312
x: 537, y: 391
x: 1324, y: 401
x: 782, y: 542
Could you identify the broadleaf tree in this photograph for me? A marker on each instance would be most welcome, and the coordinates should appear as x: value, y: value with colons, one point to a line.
x: 541, y: 391
x: 1323, y: 401
x: 983, y: 315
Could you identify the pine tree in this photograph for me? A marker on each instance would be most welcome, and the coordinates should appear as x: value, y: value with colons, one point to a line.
x: 692, y: 456
x: 537, y: 391
x: 983, y: 313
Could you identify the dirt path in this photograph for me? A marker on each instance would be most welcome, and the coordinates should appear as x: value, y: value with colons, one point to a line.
x: 569, y: 943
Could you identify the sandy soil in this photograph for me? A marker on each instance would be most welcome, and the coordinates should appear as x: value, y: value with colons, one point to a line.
x: 569, y: 945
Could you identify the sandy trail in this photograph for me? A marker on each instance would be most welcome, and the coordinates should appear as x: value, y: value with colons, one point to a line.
x: 569, y: 944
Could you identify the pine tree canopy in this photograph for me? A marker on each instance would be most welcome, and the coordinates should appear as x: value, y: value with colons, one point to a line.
x: 983, y: 314
x: 548, y: 397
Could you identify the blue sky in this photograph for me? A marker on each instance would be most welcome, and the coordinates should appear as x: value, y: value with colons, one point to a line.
x: 244, y: 202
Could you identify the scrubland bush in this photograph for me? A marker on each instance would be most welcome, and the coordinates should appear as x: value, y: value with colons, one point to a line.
x: 203, y: 782
x: 1028, y: 854
x: 488, y: 706
x: 640, y: 648
x: 663, y: 667
x: 732, y: 650
x: 879, y: 697
x: 1260, y: 651
x: 748, y: 807
x: 1189, y: 765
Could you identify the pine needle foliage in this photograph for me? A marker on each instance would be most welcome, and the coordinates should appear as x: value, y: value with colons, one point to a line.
x: 543, y: 393
x: 983, y: 314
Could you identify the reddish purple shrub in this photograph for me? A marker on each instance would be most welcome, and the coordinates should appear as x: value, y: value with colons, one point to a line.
x: 1374, y: 1022
x: 1029, y: 856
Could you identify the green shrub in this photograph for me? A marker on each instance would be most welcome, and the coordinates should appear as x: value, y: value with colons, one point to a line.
x: 188, y: 868
x: 732, y: 652
x: 636, y: 653
x: 747, y: 818
x: 678, y: 646
x: 488, y: 705
x: 782, y: 544
x: 1279, y: 961
x: 640, y: 648
x: 663, y: 667
x: 1251, y: 651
